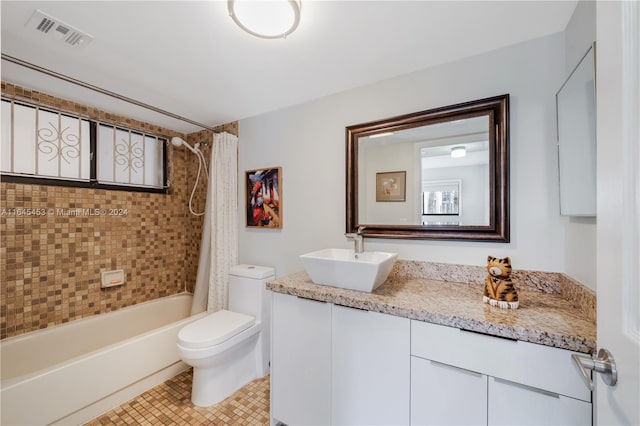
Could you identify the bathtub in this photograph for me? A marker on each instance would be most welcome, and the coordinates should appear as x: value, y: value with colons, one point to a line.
x: 71, y: 373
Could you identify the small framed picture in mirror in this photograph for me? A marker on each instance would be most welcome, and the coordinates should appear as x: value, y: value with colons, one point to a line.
x: 391, y: 186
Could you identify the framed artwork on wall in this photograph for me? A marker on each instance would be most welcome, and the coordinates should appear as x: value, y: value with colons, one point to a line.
x: 391, y: 186
x: 263, y: 189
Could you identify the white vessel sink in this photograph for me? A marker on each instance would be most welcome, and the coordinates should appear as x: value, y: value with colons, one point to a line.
x: 345, y: 269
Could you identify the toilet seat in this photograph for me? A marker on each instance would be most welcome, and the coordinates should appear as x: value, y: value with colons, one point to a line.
x: 214, y: 329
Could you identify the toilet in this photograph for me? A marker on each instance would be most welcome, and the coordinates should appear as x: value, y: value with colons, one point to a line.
x: 229, y: 348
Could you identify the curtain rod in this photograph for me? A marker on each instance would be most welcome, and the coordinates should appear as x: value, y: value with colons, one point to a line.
x: 101, y: 90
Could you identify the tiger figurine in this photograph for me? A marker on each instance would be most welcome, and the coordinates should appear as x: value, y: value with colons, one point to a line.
x: 498, y: 286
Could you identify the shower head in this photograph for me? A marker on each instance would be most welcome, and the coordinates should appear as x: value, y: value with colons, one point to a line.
x: 178, y: 142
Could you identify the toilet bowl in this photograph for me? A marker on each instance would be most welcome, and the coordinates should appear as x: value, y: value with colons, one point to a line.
x: 229, y: 348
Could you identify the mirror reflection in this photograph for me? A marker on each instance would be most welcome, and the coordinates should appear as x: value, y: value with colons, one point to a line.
x: 447, y: 174
x: 436, y: 174
x: 576, y: 107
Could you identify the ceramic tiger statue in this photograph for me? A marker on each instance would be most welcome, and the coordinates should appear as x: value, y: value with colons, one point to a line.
x: 498, y: 286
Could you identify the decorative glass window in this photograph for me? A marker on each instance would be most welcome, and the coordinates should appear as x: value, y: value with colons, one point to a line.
x: 129, y: 158
x: 38, y: 142
x: 39, y: 145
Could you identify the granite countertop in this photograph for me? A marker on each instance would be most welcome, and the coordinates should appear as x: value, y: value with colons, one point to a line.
x: 543, y: 318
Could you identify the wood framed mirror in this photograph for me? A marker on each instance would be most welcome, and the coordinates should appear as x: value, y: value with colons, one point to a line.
x: 444, y: 173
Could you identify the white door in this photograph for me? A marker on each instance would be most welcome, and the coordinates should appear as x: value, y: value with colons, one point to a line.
x: 618, y: 221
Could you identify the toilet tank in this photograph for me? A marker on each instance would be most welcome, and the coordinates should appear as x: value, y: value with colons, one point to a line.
x: 248, y: 295
x: 247, y: 290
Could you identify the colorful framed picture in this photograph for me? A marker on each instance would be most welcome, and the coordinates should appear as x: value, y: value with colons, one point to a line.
x: 391, y: 186
x: 263, y: 189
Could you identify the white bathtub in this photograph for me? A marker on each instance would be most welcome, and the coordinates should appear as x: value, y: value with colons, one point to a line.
x: 71, y: 373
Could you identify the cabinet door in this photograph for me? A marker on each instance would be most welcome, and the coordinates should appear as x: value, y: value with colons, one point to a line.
x: 300, y: 361
x: 446, y: 395
x: 514, y: 404
x: 370, y: 368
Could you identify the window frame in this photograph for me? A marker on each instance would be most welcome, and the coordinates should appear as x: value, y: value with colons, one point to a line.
x: 93, y: 159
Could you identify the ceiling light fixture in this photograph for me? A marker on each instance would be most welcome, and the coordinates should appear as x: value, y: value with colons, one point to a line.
x: 266, y: 18
x: 458, y: 152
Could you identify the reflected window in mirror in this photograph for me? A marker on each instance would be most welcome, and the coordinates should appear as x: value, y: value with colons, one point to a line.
x: 455, y: 160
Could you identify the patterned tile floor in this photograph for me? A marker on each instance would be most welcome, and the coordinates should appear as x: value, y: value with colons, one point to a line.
x: 170, y: 404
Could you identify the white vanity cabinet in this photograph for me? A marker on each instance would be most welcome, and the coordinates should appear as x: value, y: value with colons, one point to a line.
x: 370, y: 368
x: 300, y: 361
x: 335, y: 365
x: 518, y: 382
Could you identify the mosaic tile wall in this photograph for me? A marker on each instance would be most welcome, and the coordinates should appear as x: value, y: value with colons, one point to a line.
x: 50, y: 265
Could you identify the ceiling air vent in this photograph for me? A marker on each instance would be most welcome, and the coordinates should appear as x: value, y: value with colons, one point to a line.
x: 57, y: 30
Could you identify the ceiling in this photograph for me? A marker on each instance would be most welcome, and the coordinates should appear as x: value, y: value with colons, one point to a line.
x: 189, y: 58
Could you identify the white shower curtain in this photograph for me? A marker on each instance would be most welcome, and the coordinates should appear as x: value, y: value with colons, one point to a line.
x: 219, y: 243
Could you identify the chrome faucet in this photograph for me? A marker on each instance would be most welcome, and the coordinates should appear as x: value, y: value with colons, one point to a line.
x: 358, y: 240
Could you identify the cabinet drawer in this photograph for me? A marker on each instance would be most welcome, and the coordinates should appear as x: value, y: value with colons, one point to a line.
x: 538, y: 366
x: 528, y: 406
x: 444, y: 395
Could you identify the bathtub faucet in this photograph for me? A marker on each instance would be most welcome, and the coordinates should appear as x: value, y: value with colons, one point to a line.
x: 358, y: 240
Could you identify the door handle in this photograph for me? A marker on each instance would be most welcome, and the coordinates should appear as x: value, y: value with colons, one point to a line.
x: 603, y: 364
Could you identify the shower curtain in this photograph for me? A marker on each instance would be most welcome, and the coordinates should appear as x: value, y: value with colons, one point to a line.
x: 219, y: 243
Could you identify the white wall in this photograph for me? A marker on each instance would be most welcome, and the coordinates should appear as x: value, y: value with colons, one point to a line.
x: 580, y: 33
x: 308, y: 141
x: 580, y: 233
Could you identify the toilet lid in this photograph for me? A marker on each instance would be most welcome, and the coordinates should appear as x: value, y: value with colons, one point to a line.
x: 213, y: 329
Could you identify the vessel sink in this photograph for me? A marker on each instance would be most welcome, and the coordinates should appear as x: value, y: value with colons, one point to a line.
x: 344, y: 268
